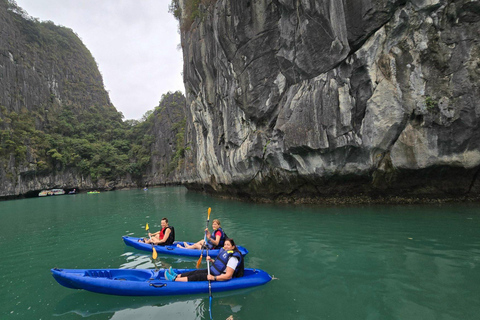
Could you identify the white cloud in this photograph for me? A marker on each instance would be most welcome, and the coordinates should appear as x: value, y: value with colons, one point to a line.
x: 133, y: 41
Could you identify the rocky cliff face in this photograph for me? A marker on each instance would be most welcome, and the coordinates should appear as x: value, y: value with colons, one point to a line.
x: 303, y: 100
x: 58, y: 127
x: 168, y: 141
x: 43, y: 66
x: 43, y: 69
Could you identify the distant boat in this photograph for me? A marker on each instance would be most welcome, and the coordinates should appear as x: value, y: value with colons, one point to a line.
x: 93, y: 192
x: 52, y: 192
x: 57, y: 192
x: 74, y: 191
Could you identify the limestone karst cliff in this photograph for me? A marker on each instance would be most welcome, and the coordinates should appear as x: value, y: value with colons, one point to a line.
x: 58, y: 127
x: 45, y: 72
x: 303, y: 100
x: 167, y: 145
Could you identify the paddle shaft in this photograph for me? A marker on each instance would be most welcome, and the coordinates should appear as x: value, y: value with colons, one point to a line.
x: 205, y: 242
x: 206, y: 246
x: 209, y: 287
x: 209, y: 284
x: 208, y: 267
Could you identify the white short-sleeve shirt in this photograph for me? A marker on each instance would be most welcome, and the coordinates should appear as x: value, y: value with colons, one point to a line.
x: 232, y: 263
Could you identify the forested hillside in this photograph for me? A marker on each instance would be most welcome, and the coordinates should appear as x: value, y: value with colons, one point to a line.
x: 58, y: 127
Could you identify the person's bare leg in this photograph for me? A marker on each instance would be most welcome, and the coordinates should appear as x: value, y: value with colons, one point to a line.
x: 197, y: 245
x: 181, y: 279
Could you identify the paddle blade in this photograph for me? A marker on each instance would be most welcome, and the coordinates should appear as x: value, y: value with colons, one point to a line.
x: 146, y: 227
x: 154, y: 254
x: 209, y: 210
x: 199, y: 262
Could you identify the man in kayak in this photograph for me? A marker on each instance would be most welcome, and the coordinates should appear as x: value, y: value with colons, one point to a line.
x: 213, y: 242
x: 163, y: 237
x: 229, y: 264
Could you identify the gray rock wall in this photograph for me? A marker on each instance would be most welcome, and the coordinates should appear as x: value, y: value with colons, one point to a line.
x: 42, y: 68
x: 168, y: 147
x: 304, y: 100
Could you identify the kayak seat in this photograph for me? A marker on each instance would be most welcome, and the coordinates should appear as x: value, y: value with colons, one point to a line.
x: 131, y: 275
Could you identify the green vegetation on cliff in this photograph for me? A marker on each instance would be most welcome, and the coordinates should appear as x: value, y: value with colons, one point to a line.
x: 97, y: 141
x: 192, y: 9
x: 55, y: 114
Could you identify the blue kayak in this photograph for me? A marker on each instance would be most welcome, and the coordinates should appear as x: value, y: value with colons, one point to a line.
x: 173, y: 249
x: 147, y: 282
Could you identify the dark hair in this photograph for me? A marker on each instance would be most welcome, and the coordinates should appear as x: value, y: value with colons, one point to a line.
x: 233, y: 243
x: 166, y: 220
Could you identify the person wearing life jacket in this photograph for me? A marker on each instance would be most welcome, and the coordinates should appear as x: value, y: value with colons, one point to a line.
x: 214, y: 241
x: 229, y: 264
x: 163, y: 237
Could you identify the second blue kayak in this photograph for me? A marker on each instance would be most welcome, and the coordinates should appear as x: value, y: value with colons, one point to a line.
x: 146, y: 282
x: 173, y: 249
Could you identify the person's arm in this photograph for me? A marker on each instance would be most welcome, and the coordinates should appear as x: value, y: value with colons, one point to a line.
x: 223, y: 277
x: 165, y: 236
x: 154, y: 234
x: 215, y: 241
x: 231, y: 266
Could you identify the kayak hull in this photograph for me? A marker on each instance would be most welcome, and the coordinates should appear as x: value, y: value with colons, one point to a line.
x: 147, y: 282
x: 173, y: 249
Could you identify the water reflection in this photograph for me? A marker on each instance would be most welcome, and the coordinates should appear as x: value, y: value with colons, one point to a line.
x: 182, y: 310
x: 87, y: 304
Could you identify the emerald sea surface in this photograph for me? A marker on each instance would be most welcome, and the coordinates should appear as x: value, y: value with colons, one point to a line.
x: 347, y: 262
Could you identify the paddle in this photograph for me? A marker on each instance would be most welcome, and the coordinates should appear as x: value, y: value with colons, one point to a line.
x: 208, y: 269
x: 154, y: 254
x: 204, y: 239
x: 209, y: 288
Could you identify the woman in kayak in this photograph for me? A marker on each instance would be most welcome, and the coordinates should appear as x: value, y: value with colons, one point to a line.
x: 163, y: 237
x: 213, y: 242
x: 229, y: 264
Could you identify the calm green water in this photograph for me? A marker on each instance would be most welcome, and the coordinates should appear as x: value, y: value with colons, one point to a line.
x: 400, y: 262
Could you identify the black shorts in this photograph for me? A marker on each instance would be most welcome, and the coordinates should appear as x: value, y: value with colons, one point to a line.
x: 196, y: 275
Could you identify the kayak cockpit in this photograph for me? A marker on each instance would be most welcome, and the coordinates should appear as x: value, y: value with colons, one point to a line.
x: 122, y: 274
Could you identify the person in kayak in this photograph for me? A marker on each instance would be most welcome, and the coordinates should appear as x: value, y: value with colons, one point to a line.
x: 213, y: 242
x: 163, y: 237
x: 229, y: 264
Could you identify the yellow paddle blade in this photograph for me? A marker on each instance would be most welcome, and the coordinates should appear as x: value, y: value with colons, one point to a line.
x: 209, y: 210
x: 154, y: 254
x: 146, y: 227
x: 199, y: 262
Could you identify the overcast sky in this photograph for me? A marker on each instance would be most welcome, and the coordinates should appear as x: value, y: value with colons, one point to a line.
x: 135, y: 44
